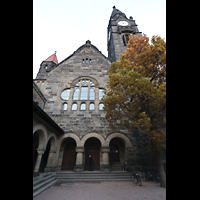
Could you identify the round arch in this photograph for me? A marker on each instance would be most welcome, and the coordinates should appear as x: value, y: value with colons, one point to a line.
x: 90, y: 135
x: 70, y: 135
x: 118, y: 135
x: 67, y: 151
x: 42, y: 135
x: 53, y: 141
x: 84, y: 77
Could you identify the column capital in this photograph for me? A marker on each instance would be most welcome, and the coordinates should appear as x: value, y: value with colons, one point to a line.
x: 105, y: 149
x: 80, y: 149
x: 40, y: 151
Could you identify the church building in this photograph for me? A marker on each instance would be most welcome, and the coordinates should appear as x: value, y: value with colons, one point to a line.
x: 68, y: 119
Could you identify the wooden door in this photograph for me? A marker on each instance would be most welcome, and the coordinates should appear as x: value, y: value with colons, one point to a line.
x: 93, y: 150
x: 69, y: 157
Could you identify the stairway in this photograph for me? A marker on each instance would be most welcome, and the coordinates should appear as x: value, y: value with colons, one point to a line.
x: 116, y: 166
x: 42, y: 182
x: 45, y: 180
x: 92, y: 176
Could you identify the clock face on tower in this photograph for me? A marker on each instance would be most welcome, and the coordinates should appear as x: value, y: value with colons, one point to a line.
x: 123, y: 23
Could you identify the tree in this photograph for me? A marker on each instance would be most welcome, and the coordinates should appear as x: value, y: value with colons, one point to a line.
x: 136, y: 95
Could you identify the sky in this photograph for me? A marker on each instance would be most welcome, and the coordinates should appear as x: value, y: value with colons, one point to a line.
x: 65, y: 25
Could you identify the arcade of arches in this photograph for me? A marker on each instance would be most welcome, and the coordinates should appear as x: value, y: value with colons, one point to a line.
x: 68, y: 152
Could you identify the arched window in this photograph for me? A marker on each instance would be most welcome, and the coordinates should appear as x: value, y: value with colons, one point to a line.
x: 83, y: 106
x: 101, y: 106
x: 65, y: 94
x: 84, y: 90
x: 92, y: 106
x: 74, y: 106
x: 64, y: 106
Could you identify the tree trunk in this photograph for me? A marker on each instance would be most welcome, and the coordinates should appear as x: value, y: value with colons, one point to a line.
x: 161, y: 171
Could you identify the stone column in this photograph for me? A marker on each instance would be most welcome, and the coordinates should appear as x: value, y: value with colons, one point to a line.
x: 37, y: 165
x: 51, y: 162
x: 79, y: 159
x: 105, y: 158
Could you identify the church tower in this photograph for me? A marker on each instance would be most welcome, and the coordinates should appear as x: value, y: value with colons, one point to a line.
x: 47, y: 65
x: 119, y: 30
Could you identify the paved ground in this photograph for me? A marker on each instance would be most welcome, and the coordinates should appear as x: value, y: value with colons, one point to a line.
x: 103, y: 191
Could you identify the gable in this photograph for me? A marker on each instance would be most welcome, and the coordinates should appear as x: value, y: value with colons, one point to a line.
x: 86, y: 56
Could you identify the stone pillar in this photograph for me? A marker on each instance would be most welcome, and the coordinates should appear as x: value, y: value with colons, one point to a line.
x: 51, y: 162
x: 105, y: 158
x: 79, y: 159
x: 39, y: 158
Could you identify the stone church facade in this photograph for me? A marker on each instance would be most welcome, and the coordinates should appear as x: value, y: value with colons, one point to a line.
x: 68, y: 119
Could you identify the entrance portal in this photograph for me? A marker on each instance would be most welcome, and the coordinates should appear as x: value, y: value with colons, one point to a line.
x: 92, y: 147
x: 69, y: 155
x: 116, y: 155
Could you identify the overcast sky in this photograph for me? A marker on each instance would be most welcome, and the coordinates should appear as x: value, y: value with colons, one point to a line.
x: 65, y: 25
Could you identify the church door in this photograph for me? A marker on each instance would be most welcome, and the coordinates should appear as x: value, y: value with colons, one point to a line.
x: 69, y: 157
x: 93, y: 149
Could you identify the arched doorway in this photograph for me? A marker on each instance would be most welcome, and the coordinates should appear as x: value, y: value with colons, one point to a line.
x: 116, y: 155
x: 69, y: 154
x: 92, y: 147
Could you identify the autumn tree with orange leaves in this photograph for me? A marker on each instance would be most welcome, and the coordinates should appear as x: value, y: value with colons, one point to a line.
x: 136, y: 94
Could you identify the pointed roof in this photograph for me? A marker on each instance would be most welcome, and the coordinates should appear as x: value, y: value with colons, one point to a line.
x: 87, y: 44
x: 116, y: 11
x: 53, y: 58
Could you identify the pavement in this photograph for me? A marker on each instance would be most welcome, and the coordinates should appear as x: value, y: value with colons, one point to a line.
x: 103, y: 191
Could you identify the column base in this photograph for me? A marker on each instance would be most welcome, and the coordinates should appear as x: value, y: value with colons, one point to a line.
x: 49, y: 169
x: 78, y: 168
x: 106, y: 168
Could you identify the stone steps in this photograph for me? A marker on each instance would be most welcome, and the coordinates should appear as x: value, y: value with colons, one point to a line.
x: 116, y: 166
x: 42, y: 182
x: 92, y: 176
x: 45, y: 180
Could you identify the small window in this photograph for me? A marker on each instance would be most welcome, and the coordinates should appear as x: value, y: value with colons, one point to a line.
x: 101, y: 93
x: 83, y: 61
x: 86, y: 60
x: 64, y: 106
x: 65, y: 94
x: 101, y: 106
x: 83, y: 106
x: 90, y: 61
x: 125, y: 38
x: 91, y: 106
x: 74, y: 106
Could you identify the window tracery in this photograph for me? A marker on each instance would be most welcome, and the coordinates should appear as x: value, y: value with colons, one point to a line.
x: 83, y: 95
